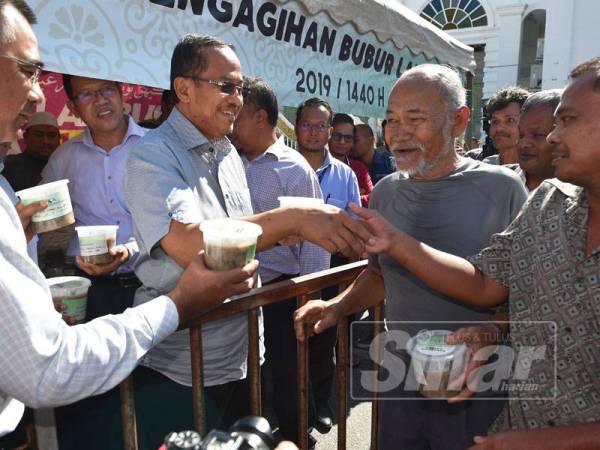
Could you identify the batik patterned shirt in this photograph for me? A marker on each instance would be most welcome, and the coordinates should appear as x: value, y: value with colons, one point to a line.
x: 541, y: 257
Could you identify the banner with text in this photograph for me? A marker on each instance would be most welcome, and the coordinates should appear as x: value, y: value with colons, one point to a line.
x: 299, y: 55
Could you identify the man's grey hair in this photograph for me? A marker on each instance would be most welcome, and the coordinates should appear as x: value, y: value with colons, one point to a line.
x: 7, y: 32
x: 548, y: 98
x: 447, y: 79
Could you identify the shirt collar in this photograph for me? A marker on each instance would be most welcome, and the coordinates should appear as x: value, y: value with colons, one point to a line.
x: 326, y: 161
x: 575, y: 201
x: 276, y: 148
x: 187, y: 132
x: 133, y: 129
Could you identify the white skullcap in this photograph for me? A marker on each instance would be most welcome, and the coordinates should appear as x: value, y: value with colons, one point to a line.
x: 41, y: 118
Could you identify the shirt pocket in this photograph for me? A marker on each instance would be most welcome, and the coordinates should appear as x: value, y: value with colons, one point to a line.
x: 238, y: 202
x: 337, y: 202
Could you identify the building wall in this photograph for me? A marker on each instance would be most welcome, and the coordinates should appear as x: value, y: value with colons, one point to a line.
x: 572, y: 35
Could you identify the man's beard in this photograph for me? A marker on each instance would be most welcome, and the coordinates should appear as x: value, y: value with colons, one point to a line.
x: 423, y: 166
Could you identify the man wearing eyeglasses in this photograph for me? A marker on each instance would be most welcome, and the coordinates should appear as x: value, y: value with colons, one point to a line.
x: 94, y: 163
x: 44, y: 362
x: 340, y: 144
x: 180, y: 174
x: 340, y: 188
x: 274, y: 170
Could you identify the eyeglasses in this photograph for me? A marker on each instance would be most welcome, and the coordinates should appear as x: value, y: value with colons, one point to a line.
x: 106, y: 91
x: 318, y: 127
x: 226, y: 87
x: 339, y: 137
x: 33, y: 70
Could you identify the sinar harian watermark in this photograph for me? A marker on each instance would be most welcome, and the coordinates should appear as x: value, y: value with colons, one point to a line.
x: 439, y: 360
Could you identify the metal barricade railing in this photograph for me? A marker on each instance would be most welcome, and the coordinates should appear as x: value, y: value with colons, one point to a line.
x: 300, y: 287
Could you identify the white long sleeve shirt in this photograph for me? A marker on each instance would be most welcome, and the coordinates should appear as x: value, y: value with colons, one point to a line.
x: 43, y: 361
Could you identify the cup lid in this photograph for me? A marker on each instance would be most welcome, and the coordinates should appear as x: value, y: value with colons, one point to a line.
x: 431, y: 345
x: 42, y: 189
x: 96, y: 229
x: 68, y: 286
x: 230, y: 228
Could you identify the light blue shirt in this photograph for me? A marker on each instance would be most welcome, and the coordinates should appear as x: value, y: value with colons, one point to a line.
x: 175, y: 173
x: 45, y: 362
x: 96, y: 180
x: 282, y: 171
x: 338, y: 183
x: 6, y: 187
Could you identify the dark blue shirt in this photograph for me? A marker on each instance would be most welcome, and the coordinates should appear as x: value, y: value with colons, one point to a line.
x: 381, y: 166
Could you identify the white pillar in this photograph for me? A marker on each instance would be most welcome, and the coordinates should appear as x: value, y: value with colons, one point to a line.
x: 509, y: 25
x: 557, y: 44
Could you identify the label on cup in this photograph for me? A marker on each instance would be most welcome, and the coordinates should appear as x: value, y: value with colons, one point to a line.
x: 250, y: 253
x: 434, y: 345
x: 93, y: 245
x: 59, y: 204
x: 75, y: 307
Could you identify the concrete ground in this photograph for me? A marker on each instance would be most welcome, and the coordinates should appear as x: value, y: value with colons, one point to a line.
x: 358, y: 429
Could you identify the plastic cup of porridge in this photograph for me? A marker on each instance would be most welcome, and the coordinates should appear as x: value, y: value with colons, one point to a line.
x: 229, y: 243
x: 72, y: 292
x: 437, y: 366
x: 96, y: 241
x: 300, y: 201
x: 59, y: 212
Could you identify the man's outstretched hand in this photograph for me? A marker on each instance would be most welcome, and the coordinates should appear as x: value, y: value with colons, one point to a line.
x: 382, y: 232
x: 335, y: 231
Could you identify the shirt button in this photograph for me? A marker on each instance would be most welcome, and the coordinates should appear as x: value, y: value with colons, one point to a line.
x: 111, y: 200
x: 118, y: 222
x: 551, y: 423
x: 109, y: 177
x: 567, y: 329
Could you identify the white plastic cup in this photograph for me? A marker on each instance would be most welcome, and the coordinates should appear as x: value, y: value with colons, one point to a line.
x: 300, y: 201
x: 59, y: 212
x: 96, y: 241
x: 229, y: 243
x: 72, y: 292
x: 437, y: 366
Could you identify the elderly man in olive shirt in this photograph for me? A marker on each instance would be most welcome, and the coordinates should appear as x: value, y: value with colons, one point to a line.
x: 546, y: 263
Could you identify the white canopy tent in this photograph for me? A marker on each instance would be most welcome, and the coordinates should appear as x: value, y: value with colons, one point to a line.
x: 390, y: 20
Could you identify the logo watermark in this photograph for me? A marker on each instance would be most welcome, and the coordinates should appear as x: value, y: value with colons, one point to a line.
x: 441, y: 360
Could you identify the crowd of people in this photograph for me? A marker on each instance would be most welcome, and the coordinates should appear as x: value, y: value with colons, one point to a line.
x: 484, y: 239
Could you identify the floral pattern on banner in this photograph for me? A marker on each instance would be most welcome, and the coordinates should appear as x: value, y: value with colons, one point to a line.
x: 132, y: 41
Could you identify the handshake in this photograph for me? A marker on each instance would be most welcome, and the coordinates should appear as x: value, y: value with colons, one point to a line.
x: 200, y: 289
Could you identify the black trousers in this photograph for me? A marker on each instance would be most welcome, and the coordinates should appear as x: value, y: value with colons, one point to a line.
x: 91, y: 416
x: 110, y: 294
x: 280, y: 345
